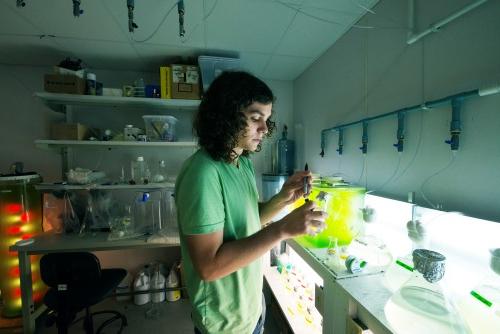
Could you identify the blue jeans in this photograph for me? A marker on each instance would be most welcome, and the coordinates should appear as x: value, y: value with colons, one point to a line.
x: 259, y: 328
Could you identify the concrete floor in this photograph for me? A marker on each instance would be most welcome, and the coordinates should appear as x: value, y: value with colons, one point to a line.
x: 174, y: 318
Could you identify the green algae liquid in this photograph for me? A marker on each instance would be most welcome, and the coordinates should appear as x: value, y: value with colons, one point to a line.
x: 345, y: 218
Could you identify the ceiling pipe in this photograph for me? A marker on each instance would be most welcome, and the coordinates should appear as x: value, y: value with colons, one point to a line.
x: 412, y: 38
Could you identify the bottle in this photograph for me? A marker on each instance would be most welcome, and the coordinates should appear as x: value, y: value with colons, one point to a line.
x: 158, y: 282
x: 141, y: 283
x: 91, y: 84
x: 173, y: 282
x: 123, y: 287
x: 140, y: 171
x: 161, y: 173
x: 422, y: 305
x: 284, y: 155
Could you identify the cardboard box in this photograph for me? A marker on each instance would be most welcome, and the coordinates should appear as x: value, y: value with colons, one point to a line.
x: 185, y: 82
x: 67, y: 84
x: 165, y: 82
x: 69, y: 131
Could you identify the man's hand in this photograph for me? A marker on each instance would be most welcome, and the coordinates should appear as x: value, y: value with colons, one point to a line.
x: 293, y: 188
x: 303, y: 220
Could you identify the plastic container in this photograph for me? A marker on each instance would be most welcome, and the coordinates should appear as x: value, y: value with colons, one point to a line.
x: 284, y: 154
x: 123, y: 287
x: 140, y: 171
x: 160, y: 127
x: 212, y: 67
x: 141, y: 283
x: 345, y: 218
x: 158, y: 282
x: 173, y: 282
x: 91, y: 84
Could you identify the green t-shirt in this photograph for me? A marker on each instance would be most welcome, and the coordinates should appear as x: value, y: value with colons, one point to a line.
x: 213, y: 196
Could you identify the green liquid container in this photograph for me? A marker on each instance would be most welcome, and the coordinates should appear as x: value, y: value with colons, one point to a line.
x: 345, y: 218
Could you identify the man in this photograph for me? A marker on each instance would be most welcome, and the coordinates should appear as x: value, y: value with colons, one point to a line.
x: 220, y: 219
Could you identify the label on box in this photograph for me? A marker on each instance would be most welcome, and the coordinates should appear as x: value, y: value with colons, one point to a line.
x: 192, y: 75
x: 178, y: 74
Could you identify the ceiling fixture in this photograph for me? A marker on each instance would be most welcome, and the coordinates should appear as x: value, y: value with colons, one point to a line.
x: 76, y: 8
x: 131, y: 24
x: 180, y: 10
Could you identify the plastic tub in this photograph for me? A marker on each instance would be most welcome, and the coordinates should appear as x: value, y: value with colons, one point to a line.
x: 345, y: 219
x: 160, y: 127
x: 211, y: 67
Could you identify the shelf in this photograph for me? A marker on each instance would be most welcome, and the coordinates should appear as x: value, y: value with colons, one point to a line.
x: 149, y: 186
x: 47, y: 143
x: 57, y: 102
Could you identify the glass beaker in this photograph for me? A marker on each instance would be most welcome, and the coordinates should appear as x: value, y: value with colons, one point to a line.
x: 422, y: 305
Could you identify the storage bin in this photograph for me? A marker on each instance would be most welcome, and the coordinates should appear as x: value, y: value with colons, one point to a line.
x: 211, y: 67
x: 160, y: 128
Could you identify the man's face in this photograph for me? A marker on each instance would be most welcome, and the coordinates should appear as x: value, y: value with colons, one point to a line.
x: 256, y: 115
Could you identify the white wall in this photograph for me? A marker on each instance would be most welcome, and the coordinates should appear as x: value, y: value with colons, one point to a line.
x: 377, y: 63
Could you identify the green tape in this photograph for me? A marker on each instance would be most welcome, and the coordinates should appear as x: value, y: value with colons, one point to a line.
x: 481, y: 298
x: 404, y: 265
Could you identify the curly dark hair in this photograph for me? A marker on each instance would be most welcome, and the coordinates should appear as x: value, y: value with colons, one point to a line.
x: 220, y: 117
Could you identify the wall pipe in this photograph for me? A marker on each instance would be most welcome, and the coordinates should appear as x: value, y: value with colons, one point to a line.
x: 436, y: 26
x: 455, y: 125
x: 423, y: 106
x: 364, y: 138
x: 400, y: 135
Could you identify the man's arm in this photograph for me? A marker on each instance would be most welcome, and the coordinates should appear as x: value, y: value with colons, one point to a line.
x: 269, y: 209
x: 213, y: 259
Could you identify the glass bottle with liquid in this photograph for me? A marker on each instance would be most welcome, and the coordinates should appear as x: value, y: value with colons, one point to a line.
x: 161, y: 172
x: 422, y: 304
x: 140, y: 171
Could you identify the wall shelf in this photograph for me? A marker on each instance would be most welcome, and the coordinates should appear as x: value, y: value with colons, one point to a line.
x: 60, y: 186
x: 58, y: 102
x: 49, y: 144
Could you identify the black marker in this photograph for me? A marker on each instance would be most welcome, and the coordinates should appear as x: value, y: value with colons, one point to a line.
x: 306, y: 186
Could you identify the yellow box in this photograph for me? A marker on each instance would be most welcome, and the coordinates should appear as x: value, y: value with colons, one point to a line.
x: 165, y: 82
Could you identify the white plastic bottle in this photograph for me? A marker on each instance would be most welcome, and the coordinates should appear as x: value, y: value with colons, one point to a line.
x: 158, y: 282
x: 141, y: 283
x: 173, y: 282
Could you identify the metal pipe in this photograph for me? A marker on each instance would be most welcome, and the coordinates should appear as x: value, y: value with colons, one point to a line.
x: 436, y: 26
x: 423, y: 106
x: 340, y: 148
x: 455, y: 124
x: 400, y: 135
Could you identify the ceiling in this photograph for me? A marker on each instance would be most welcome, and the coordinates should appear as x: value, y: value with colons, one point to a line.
x: 275, y: 39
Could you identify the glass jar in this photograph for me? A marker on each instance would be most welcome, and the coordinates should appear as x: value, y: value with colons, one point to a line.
x: 422, y: 305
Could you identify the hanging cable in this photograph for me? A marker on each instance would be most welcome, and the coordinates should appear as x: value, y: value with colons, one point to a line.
x: 159, y: 25
x: 390, y: 178
x: 452, y: 160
